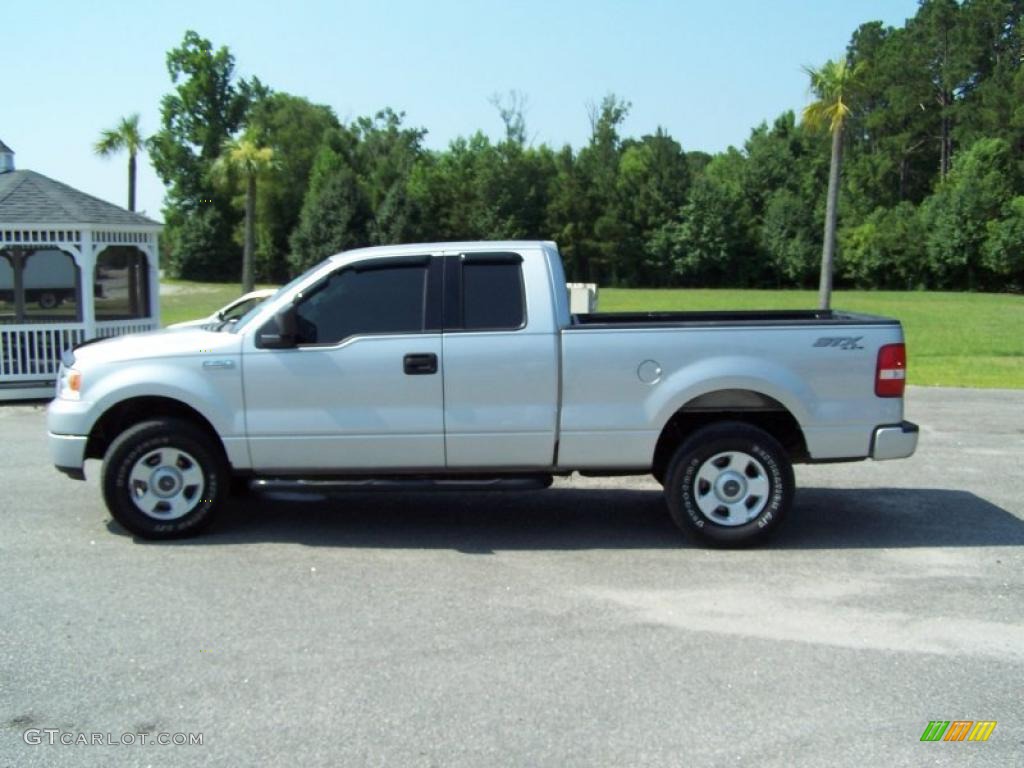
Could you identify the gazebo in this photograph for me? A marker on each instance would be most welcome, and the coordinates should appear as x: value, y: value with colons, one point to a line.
x: 72, y: 267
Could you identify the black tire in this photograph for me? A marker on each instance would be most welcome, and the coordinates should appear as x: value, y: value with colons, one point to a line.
x: 49, y: 300
x: 743, y: 460
x: 186, y: 456
x: 239, y: 487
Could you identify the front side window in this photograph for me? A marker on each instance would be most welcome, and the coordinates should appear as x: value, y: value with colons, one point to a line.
x: 355, y: 302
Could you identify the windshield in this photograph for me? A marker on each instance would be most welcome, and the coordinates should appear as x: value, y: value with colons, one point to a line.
x: 236, y: 312
x: 255, y: 310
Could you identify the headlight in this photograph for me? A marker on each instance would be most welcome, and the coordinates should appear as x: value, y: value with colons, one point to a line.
x: 69, y: 384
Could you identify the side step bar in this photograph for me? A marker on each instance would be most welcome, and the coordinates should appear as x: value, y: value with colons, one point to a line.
x: 413, y: 483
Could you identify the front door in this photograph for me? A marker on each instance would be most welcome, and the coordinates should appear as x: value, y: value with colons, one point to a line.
x: 362, y: 390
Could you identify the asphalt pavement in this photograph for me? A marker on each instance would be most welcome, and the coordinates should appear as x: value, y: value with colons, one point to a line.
x: 568, y: 627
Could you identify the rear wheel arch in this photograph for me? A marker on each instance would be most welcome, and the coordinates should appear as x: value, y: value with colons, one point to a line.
x: 735, y: 405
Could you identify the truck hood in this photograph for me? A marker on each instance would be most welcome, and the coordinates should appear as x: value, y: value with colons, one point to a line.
x: 166, y: 343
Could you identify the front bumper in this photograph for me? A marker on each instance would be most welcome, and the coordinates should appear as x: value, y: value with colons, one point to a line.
x: 68, y: 454
x: 895, y: 441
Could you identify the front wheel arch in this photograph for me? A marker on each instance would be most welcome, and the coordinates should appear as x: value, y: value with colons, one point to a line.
x: 127, y: 413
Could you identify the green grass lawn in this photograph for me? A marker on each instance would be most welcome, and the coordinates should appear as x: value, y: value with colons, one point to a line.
x: 953, y: 339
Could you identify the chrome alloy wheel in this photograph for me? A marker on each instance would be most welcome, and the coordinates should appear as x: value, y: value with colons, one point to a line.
x: 166, y: 484
x: 731, y: 488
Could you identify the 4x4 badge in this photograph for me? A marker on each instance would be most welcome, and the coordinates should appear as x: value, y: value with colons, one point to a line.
x: 843, y: 342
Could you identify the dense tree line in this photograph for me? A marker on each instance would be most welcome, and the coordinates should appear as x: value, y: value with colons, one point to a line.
x: 932, y: 191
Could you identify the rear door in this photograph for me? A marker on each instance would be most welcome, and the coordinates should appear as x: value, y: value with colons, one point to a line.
x: 362, y: 389
x: 500, y: 364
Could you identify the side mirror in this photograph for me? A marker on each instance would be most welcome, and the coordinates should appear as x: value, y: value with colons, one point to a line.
x: 279, y: 332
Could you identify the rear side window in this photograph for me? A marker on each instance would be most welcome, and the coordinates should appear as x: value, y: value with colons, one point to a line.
x: 350, y: 303
x: 492, y: 296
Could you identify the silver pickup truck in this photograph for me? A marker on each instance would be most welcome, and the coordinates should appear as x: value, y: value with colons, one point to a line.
x: 459, y: 365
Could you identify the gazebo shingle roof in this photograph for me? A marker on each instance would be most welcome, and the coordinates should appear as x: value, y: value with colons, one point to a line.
x: 27, y: 197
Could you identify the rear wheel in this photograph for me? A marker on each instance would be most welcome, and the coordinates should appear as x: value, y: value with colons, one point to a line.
x: 730, y: 484
x: 162, y: 479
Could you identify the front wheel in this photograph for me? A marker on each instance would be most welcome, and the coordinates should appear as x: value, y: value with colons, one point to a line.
x: 730, y: 484
x: 162, y: 479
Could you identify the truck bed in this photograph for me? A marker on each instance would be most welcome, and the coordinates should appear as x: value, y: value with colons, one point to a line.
x: 623, y: 371
x: 760, y: 317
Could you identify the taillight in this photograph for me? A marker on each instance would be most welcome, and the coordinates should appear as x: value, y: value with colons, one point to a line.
x: 891, y: 371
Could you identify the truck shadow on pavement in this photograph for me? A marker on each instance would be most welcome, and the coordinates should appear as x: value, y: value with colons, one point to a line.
x: 578, y: 519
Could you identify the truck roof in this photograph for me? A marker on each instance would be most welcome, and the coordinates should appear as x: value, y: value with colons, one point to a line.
x: 409, y: 249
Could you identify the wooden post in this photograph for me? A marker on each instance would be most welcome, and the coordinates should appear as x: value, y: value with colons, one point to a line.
x: 18, y: 262
x: 87, y: 262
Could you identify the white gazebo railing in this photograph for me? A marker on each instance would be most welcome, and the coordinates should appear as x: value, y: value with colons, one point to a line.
x: 31, y: 352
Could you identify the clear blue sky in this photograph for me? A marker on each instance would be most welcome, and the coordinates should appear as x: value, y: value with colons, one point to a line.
x: 706, y: 71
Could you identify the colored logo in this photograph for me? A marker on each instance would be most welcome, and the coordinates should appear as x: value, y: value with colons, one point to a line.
x: 958, y: 730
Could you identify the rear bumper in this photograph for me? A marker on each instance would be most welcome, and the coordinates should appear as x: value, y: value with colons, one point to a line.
x: 895, y: 441
x: 68, y: 454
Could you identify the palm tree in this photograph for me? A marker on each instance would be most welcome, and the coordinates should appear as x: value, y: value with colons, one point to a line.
x: 128, y: 137
x: 833, y: 83
x: 245, y: 158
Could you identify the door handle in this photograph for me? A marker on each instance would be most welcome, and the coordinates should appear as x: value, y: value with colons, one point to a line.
x: 218, y: 364
x: 420, y: 363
